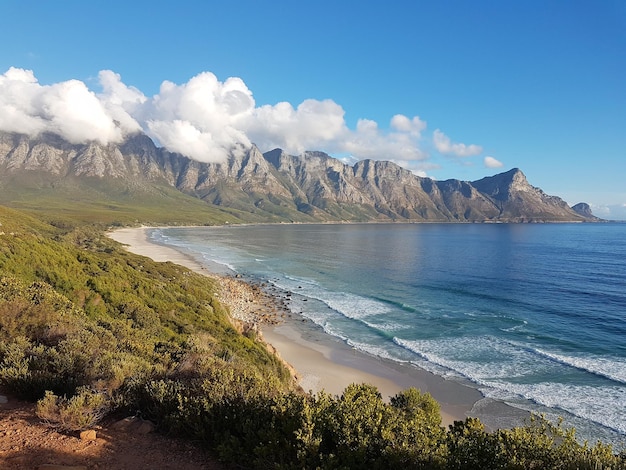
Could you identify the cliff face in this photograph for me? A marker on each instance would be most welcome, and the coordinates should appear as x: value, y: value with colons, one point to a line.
x: 309, y: 187
x: 582, y: 208
x: 518, y: 201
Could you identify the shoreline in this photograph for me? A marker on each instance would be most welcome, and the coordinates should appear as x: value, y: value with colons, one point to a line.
x: 321, y: 361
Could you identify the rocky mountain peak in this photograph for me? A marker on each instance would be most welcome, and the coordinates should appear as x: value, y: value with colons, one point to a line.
x: 502, y: 185
x: 519, y: 181
x: 277, y: 186
x: 584, y: 209
x: 275, y: 157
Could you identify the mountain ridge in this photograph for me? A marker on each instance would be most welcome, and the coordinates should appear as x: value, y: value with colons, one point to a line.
x: 280, y: 187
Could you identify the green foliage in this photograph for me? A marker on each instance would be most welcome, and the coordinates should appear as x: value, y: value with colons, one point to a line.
x: 471, y: 447
x: 76, y: 309
x: 225, y: 407
x: 356, y: 427
x: 87, y: 327
x: 356, y: 430
x: 542, y: 444
x: 360, y: 430
x: 82, y: 411
x: 419, y: 436
x: 243, y: 418
x: 106, y: 202
x: 538, y: 445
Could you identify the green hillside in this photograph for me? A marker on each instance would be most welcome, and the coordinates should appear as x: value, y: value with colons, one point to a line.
x: 88, y: 330
x: 110, y: 202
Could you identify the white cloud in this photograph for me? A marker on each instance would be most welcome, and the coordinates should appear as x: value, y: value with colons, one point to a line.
x: 600, y: 210
x: 491, y: 162
x: 444, y: 145
x: 401, y: 145
x: 421, y: 168
x: 68, y: 108
x: 73, y: 111
x: 121, y: 101
x: 610, y: 211
x: 201, y: 118
x: 413, y: 126
x: 320, y: 125
x: 18, y: 91
x: 204, y: 119
x: 308, y: 127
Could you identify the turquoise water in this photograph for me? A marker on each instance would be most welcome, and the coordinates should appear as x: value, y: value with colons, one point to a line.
x: 532, y: 315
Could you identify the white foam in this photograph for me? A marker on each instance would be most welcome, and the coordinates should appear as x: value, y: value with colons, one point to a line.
x: 600, y: 405
x: 612, y: 368
x: 511, y: 374
x: 386, y: 326
x: 381, y: 352
x: 212, y: 259
x: 473, y: 357
x: 351, y: 306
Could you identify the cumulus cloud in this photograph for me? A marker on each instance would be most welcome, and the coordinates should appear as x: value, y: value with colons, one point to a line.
x: 401, y: 144
x: 122, y: 102
x: 17, y: 112
x: 413, y: 126
x: 610, y: 212
x: 298, y: 129
x: 444, y: 145
x: 68, y: 108
x: 201, y: 118
x: 206, y: 119
x: 491, y: 162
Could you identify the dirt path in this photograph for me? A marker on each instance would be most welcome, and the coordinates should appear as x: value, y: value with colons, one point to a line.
x: 27, y: 443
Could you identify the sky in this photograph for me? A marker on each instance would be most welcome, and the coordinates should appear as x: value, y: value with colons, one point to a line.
x: 446, y: 88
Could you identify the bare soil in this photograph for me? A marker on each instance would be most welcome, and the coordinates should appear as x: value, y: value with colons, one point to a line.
x: 28, y: 443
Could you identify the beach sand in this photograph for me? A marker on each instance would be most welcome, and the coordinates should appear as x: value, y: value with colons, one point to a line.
x: 324, y: 362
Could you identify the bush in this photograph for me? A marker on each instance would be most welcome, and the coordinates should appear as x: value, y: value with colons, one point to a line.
x: 542, y: 444
x: 80, y: 412
x: 470, y: 446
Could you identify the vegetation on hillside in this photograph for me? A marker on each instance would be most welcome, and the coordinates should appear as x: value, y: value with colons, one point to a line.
x: 88, y: 329
x: 111, y: 202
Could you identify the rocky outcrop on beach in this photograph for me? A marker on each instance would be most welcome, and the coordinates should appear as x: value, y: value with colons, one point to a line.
x: 249, y: 303
x: 253, y: 305
x: 276, y: 186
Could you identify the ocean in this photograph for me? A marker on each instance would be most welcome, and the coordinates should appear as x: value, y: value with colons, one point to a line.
x: 533, y: 315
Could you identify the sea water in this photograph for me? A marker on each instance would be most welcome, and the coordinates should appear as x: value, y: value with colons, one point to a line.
x: 533, y: 315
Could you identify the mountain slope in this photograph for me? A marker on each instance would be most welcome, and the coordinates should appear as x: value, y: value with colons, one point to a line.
x: 518, y: 201
x: 273, y: 186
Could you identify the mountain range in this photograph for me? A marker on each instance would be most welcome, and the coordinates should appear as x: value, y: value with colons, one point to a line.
x: 275, y: 186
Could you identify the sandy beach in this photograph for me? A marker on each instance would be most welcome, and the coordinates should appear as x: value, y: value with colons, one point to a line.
x: 323, y: 362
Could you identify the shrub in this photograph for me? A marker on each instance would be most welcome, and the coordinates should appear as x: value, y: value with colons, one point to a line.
x: 471, y: 447
x: 80, y: 412
x: 542, y: 444
x: 418, y: 437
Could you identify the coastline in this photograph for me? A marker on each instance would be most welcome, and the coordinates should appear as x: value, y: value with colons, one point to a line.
x: 321, y: 361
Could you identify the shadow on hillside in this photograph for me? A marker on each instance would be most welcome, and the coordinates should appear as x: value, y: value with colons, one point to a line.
x: 106, y: 452
x: 27, y: 443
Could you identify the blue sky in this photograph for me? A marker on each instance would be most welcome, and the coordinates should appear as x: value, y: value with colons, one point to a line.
x: 448, y: 89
